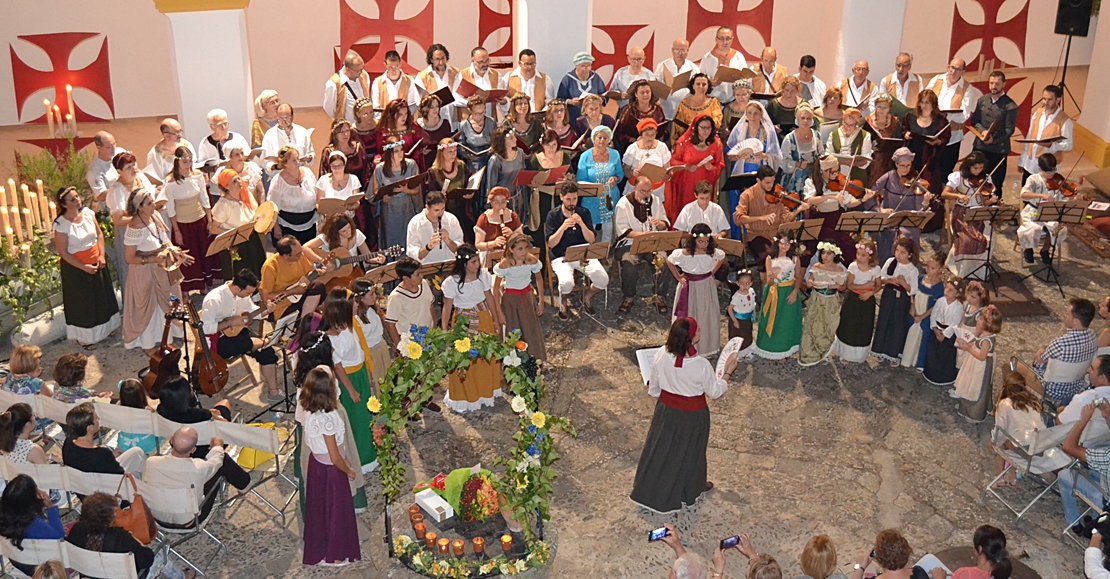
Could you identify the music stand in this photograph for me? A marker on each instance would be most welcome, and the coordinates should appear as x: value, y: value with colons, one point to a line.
x: 1061, y: 212
x: 436, y: 267
x: 229, y: 239
x: 583, y: 253
x: 666, y: 241
x: 283, y: 330
x: 731, y: 247
x: 907, y: 219
x: 804, y: 230
x: 860, y: 222
x: 990, y: 215
x: 496, y: 255
x: 383, y: 274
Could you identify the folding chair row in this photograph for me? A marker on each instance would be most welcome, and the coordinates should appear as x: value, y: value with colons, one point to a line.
x: 141, y: 421
x: 64, y: 478
x: 89, y: 563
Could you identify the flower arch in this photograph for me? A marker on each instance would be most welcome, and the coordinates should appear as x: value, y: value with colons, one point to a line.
x: 428, y: 356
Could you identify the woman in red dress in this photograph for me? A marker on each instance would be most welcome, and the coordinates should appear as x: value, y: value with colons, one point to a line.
x: 397, y: 122
x: 700, y: 150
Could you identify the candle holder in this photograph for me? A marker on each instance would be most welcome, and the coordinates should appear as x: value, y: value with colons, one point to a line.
x: 479, y: 545
x: 414, y: 510
x: 443, y: 545
x: 506, y: 543
x: 430, y: 540
x: 457, y: 547
x: 421, y: 530
x: 416, y: 519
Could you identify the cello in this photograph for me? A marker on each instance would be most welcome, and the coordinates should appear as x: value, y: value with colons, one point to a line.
x: 208, y: 367
x: 165, y: 361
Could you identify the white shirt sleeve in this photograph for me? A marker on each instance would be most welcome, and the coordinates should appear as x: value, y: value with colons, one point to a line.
x: 330, y: 94
x: 1092, y: 564
x: 1067, y: 143
x: 413, y: 239
x: 454, y: 229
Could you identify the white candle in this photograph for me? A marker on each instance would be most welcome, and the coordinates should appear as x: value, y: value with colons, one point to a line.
x: 6, y: 223
x: 49, y: 118
x: 69, y: 100
x: 72, y: 121
x: 53, y: 214
x: 8, y: 232
x: 3, y: 197
x: 16, y: 223
x: 58, y: 119
x: 28, y: 205
x: 30, y: 230
x: 26, y: 247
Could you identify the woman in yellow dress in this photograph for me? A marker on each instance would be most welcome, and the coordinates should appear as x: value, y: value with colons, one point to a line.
x: 698, y: 102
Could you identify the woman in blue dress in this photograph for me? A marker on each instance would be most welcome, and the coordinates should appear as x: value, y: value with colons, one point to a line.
x: 601, y: 164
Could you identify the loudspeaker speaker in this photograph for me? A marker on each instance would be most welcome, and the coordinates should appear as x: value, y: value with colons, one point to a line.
x: 1073, y: 17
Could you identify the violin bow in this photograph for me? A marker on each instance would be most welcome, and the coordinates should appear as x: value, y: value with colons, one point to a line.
x: 987, y: 177
x: 1070, y: 171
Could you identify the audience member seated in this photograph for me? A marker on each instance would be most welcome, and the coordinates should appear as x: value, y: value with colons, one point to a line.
x: 179, y: 470
x: 93, y: 531
x: 178, y: 402
x: 1094, y: 559
x: 992, y: 559
x: 1098, y: 463
x: 690, y: 565
x: 16, y: 425
x: 892, y: 553
x: 1018, y: 415
x: 1099, y: 376
x: 1077, y: 346
x: 69, y: 373
x: 25, y: 513
x: 132, y: 395
x: 52, y: 569
x: 1104, y: 335
x: 80, y: 450
x: 818, y: 559
x: 26, y: 368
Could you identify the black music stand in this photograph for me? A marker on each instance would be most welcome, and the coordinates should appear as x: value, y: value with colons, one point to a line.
x: 283, y: 331
x: 907, y: 219
x: 436, y: 268
x: 989, y: 215
x: 804, y: 230
x: 1061, y: 212
x: 666, y: 241
x: 859, y: 222
x: 231, y: 238
x: 383, y: 274
x: 585, y: 252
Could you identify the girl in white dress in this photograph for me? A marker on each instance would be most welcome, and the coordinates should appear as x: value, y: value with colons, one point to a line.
x: 696, y: 296
x: 973, y: 383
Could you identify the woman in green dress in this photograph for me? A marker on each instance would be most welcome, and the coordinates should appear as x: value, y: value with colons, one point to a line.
x: 826, y: 280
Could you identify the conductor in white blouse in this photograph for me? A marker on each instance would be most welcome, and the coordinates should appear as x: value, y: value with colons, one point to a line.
x: 637, y: 214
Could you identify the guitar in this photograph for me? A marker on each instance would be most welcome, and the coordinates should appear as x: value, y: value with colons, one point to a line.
x: 209, y: 368
x: 252, y: 317
x: 166, y: 359
x: 343, y: 263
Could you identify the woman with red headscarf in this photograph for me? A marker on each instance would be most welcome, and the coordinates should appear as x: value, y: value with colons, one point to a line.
x: 672, y: 470
x: 700, y: 152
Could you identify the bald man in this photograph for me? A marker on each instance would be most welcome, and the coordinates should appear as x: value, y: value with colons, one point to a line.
x: 668, y: 69
x: 345, y: 87
x: 902, y: 84
x: 182, y: 469
x: 482, y: 76
x: 723, y: 54
x: 771, y: 73
x: 958, y: 96
x: 159, y: 161
x: 100, y: 174
x: 858, y: 90
x: 635, y: 70
x: 638, y: 213
x: 286, y: 133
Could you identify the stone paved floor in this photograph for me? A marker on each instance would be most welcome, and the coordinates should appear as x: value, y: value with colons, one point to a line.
x: 845, y: 451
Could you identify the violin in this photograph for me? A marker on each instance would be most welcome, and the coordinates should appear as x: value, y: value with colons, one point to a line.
x: 854, y: 187
x: 779, y: 195
x: 1058, y: 182
x: 913, y: 180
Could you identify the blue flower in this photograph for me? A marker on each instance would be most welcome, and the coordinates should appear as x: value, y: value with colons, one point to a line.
x: 423, y: 330
x: 473, y: 352
x: 532, y: 429
x: 540, y: 437
x: 532, y: 450
x: 412, y: 329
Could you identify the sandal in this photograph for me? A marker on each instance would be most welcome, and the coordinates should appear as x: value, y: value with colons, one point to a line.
x: 660, y: 305
x: 626, y: 305
x: 88, y: 347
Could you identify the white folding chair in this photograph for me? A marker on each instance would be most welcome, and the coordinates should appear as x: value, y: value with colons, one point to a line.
x: 32, y: 552
x: 1057, y: 371
x: 177, y: 503
x: 97, y: 564
x: 1040, y: 457
x: 266, y: 440
x: 1079, y: 470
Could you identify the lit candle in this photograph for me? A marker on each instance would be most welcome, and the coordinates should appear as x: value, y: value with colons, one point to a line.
x: 29, y: 202
x: 479, y: 545
x: 443, y: 544
x: 69, y: 99
x: 4, y: 197
x: 58, y: 119
x: 506, y: 543
x: 430, y: 540
x: 8, y: 232
x: 4, y: 222
x: 53, y: 214
x: 11, y: 187
x: 26, y: 247
x: 69, y: 126
x: 44, y: 209
x: 49, y: 118
x: 421, y: 530
x: 457, y: 547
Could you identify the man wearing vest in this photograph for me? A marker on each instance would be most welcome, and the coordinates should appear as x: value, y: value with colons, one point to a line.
x: 526, y: 79
x: 902, y: 84
x: 1048, y: 121
x: 393, y: 84
x: 957, y: 95
x: 849, y: 140
x: 996, y: 107
x: 722, y: 55
x: 857, y: 90
x: 482, y: 76
x: 345, y: 87
x: 438, y: 75
x: 771, y: 73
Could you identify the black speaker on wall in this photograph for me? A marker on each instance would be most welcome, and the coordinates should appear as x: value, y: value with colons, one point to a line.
x: 1073, y: 17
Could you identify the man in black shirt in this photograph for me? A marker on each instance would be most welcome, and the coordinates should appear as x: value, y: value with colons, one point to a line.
x: 568, y: 225
x: 81, y: 452
x: 995, y: 107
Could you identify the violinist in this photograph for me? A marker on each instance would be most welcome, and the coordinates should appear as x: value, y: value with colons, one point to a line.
x: 969, y: 187
x: 1045, y: 185
x: 901, y: 189
x: 759, y: 213
x: 829, y: 195
x: 229, y: 307
x: 638, y: 213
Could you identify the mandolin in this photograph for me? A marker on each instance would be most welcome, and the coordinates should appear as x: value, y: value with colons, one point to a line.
x: 210, y: 369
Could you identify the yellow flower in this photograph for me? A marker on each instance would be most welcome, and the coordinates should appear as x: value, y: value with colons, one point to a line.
x: 522, y: 483
x: 462, y: 345
x: 538, y: 420
x: 414, y: 350
x: 373, y: 405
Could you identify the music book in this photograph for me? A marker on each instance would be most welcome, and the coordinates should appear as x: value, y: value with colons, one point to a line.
x: 982, y: 136
x: 468, y: 89
x: 472, y: 184
x: 951, y: 112
x: 850, y: 160
x: 414, y: 146
x: 613, y: 94
x: 153, y: 180
x: 538, y: 178
x: 331, y: 205
x: 729, y: 74
x: 644, y: 358
x: 679, y: 82
x: 655, y: 172
x: 520, y: 144
x: 578, y: 143
x: 1042, y: 142
x: 920, y: 137
x: 394, y: 188
x: 765, y: 96
x: 473, y: 152
x: 733, y: 121
x: 444, y: 94
x: 660, y: 90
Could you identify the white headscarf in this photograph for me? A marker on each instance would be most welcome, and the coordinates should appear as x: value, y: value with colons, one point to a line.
x: 771, y: 139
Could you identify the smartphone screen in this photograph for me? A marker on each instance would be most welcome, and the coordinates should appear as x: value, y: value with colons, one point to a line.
x: 730, y: 542
x: 656, y: 534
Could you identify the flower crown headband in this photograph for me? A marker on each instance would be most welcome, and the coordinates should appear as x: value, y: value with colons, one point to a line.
x: 393, y: 145
x: 860, y: 247
x: 319, y: 340
x: 696, y: 235
x: 829, y: 246
x: 450, y: 145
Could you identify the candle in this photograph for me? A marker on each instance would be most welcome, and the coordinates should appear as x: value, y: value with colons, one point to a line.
x: 421, y: 530
x: 506, y: 543
x: 430, y: 540
x: 49, y: 118
x: 416, y: 519
x: 74, y: 124
x: 53, y: 214
x: 8, y: 232
x: 4, y: 222
x: 15, y: 192
x: 479, y: 545
x: 457, y: 547
x: 413, y: 509
x: 27, y: 220
x: 3, y: 197
x: 27, y: 204
x: 26, y: 247
x: 69, y: 99
x: 35, y: 208
x: 69, y: 126
x: 443, y: 544
x: 58, y: 119
x: 16, y: 223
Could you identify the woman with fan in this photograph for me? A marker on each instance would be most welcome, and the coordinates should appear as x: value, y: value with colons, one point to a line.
x: 752, y: 143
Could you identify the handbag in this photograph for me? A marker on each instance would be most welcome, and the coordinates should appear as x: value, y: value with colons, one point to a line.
x: 136, y: 518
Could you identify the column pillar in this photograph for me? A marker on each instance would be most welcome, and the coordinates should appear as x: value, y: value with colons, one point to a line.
x: 1092, y: 132
x: 872, y: 31
x: 211, y: 63
x: 556, y: 31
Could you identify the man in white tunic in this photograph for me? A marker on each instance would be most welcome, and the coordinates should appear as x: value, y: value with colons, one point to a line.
x: 526, y: 79
x: 672, y: 67
x: 345, y: 87
x: 394, y: 84
x: 723, y: 54
x: 1048, y: 121
x: 286, y: 133
x: 813, y: 88
x: 438, y: 75
x: 635, y: 70
x: 902, y: 84
x: 857, y: 90
x: 434, y: 234
x: 958, y: 96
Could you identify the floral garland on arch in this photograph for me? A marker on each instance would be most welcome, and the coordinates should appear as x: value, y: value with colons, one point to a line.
x: 428, y: 356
